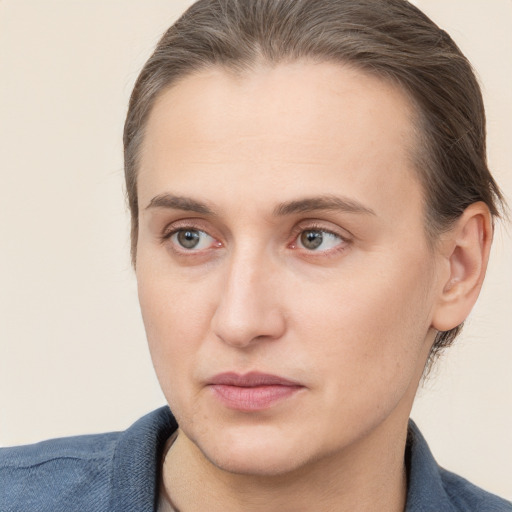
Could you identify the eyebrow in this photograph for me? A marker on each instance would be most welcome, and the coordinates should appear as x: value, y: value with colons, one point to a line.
x: 305, y: 205
x: 179, y: 203
x: 327, y: 203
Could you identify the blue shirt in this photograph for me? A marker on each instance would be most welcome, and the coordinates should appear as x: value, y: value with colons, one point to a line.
x: 119, y: 472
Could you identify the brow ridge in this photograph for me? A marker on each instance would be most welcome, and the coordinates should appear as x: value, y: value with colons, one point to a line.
x: 179, y: 203
x: 304, y: 205
x: 326, y: 202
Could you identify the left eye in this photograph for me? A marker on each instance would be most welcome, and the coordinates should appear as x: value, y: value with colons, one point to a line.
x: 318, y: 240
x: 192, y: 239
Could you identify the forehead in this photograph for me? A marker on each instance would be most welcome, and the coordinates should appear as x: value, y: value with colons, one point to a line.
x: 293, y: 129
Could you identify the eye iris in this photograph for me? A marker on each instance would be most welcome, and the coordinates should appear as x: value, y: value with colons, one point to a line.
x: 188, y: 238
x: 311, y: 239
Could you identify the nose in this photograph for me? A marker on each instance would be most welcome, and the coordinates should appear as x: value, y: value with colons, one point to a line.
x: 250, y: 308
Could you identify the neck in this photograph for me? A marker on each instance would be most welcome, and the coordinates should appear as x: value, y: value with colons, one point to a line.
x: 366, y: 477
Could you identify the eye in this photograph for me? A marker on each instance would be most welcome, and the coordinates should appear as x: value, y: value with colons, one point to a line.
x: 318, y: 240
x: 192, y: 239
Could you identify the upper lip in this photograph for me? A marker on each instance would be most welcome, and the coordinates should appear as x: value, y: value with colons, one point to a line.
x: 251, y: 379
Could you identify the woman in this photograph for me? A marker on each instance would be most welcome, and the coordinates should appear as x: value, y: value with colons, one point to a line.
x: 311, y: 222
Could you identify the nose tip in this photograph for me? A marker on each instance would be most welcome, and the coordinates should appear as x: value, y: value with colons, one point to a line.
x: 249, y: 308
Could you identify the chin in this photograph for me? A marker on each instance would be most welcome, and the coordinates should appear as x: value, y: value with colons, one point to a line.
x: 254, y: 453
x: 256, y: 463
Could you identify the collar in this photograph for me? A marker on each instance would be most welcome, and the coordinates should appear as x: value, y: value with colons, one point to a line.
x: 137, y: 462
x: 425, y: 489
x: 138, y: 453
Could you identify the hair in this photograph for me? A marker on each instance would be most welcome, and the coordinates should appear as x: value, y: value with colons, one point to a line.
x: 391, y: 39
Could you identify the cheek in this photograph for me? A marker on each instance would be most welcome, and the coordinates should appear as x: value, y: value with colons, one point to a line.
x: 176, y: 323
x: 372, y: 331
x: 370, y: 357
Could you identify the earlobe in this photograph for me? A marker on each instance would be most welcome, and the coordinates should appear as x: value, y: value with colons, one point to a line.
x: 467, y: 247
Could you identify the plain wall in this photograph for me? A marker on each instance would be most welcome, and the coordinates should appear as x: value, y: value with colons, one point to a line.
x: 73, y: 356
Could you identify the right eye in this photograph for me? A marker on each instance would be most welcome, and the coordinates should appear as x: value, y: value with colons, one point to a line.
x: 191, y: 239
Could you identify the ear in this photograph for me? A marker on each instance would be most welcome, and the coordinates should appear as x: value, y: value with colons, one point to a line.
x: 465, y: 251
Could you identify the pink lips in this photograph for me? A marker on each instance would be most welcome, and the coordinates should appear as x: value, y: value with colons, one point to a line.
x: 253, y: 391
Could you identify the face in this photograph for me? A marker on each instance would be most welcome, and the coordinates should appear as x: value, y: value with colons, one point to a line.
x: 284, y: 277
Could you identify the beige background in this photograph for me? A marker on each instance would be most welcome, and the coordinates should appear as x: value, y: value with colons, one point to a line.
x: 72, y: 350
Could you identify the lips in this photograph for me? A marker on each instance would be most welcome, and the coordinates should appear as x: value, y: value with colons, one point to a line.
x: 252, y: 391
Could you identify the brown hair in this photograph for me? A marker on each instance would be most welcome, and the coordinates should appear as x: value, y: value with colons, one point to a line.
x: 390, y: 38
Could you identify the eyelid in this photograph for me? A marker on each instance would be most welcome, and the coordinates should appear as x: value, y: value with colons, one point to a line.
x: 182, y: 225
x: 173, y: 227
x: 178, y: 225
x: 314, y: 225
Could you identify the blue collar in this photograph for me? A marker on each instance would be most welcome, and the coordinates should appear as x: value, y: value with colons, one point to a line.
x: 137, y: 462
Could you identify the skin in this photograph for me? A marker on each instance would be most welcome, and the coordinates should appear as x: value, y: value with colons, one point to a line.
x: 352, y: 320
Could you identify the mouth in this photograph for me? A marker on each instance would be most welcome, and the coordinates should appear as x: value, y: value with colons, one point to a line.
x: 252, y: 391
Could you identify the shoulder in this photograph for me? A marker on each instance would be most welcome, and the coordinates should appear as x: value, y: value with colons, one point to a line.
x: 58, y: 472
x: 113, y: 472
x: 74, y: 448
x: 434, y: 489
x: 466, y: 496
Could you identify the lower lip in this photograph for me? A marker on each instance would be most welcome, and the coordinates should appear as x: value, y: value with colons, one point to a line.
x: 255, y: 398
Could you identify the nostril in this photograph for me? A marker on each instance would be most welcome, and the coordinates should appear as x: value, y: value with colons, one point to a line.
x: 243, y: 329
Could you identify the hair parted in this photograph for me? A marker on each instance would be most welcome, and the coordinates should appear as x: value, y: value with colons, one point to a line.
x: 388, y: 38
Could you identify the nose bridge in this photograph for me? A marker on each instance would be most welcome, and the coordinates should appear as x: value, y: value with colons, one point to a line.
x: 249, y: 306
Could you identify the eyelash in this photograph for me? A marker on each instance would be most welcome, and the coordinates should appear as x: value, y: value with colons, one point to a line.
x: 302, y: 228
x: 172, y: 230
